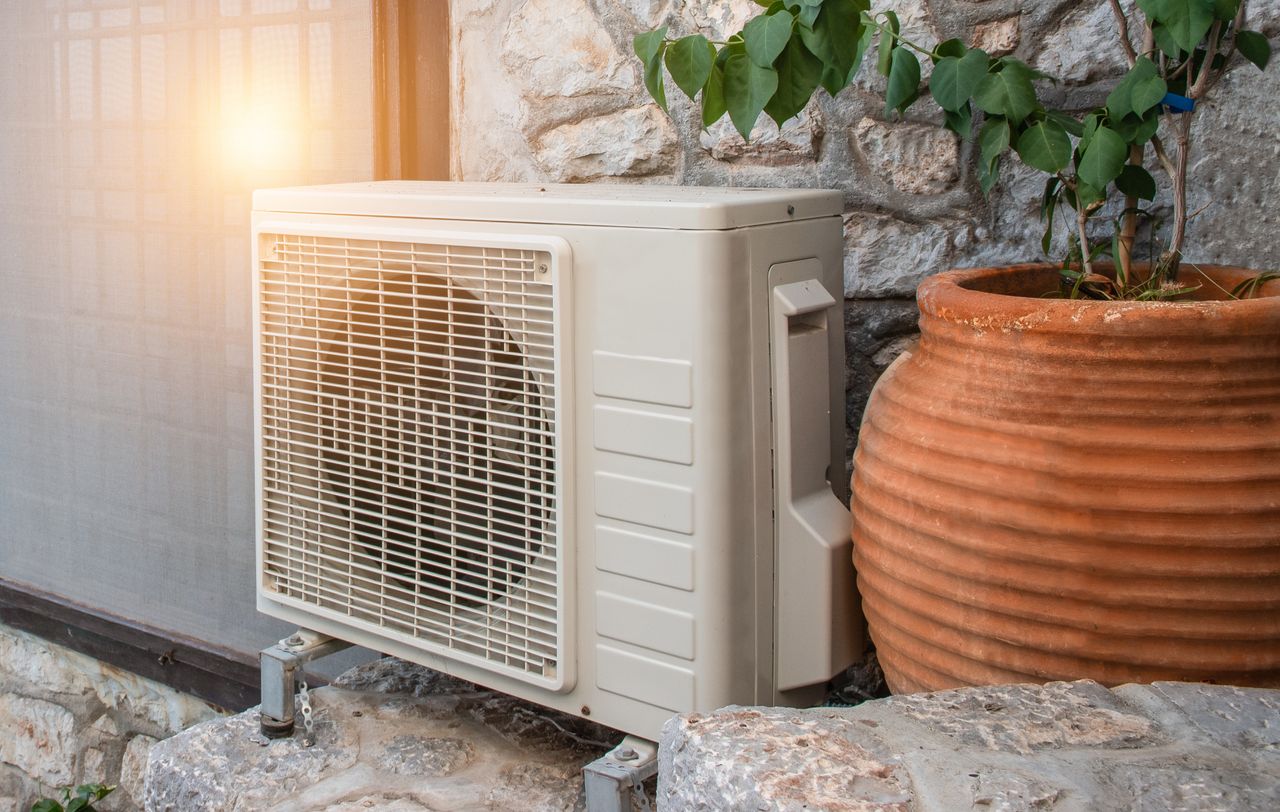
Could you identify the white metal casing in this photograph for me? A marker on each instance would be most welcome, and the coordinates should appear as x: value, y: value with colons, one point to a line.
x: 700, y: 556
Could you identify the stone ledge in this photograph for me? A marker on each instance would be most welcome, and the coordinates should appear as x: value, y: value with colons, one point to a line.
x: 1061, y: 746
x: 390, y: 736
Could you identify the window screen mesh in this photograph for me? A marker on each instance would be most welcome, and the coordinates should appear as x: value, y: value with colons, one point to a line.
x: 132, y: 134
x: 408, y: 441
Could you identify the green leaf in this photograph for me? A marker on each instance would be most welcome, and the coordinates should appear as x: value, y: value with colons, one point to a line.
x: 955, y: 80
x: 1165, y: 41
x: 1049, y: 207
x: 806, y: 10
x: 1254, y: 47
x: 960, y: 121
x: 765, y: 36
x: 1091, y: 124
x: 648, y: 44
x: 952, y: 47
x: 1187, y: 20
x: 1138, y: 130
x: 799, y: 72
x: 839, y: 24
x: 864, y: 45
x: 988, y: 174
x: 894, y: 25
x: 1104, y: 159
x: 1148, y: 93
x: 884, y: 62
x: 1086, y: 195
x: 1225, y: 10
x: 1147, y: 129
x: 1008, y: 93
x: 78, y: 804
x: 46, y: 805
x: 1045, y: 146
x: 993, y: 140
x: 1134, y: 181
x: 1123, y: 99
x: 888, y: 41
x: 713, y: 106
x: 1066, y: 122
x: 904, y: 80
x: 689, y: 63
x: 653, y: 78
x: 747, y: 89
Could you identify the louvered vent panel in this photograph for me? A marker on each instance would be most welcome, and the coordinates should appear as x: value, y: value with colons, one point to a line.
x: 409, y: 423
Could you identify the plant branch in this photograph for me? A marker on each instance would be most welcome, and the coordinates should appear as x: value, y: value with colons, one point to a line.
x: 1122, y: 27
x: 1206, y: 67
x: 1169, y: 263
x: 1166, y: 163
x: 882, y: 28
x: 1128, y: 228
x: 1082, y: 223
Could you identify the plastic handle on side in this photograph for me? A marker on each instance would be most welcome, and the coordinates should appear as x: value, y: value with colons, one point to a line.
x: 815, y: 583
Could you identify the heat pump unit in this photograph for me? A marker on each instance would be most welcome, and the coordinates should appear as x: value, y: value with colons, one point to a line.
x: 580, y: 444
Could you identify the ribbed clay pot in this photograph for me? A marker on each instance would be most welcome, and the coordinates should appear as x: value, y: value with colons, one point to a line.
x: 1049, y: 489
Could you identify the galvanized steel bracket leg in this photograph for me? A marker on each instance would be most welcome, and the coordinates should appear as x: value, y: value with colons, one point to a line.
x: 279, y: 667
x: 613, y: 780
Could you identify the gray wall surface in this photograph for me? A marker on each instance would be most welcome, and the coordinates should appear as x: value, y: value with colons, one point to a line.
x: 131, y: 136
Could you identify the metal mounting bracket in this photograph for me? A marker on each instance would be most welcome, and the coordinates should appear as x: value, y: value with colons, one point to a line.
x: 279, y: 667
x: 613, y: 780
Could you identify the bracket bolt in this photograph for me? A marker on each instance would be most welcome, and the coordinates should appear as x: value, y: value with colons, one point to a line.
x: 626, y: 754
x: 295, y: 641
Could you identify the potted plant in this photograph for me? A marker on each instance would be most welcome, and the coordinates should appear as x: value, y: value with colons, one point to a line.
x: 1076, y: 474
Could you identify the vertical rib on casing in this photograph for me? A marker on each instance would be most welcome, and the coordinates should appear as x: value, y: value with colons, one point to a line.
x: 1048, y: 489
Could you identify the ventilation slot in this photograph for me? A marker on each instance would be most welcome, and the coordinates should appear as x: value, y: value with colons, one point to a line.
x: 409, y: 423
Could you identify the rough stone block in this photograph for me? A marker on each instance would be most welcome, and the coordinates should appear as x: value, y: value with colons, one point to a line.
x: 1027, y: 718
x: 1180, y: 788
x: 558, y: 48
x: 1067, y: 747
x: 41, y: 667
x: 918, y: 159
x: 1071, y: 53
x: 624, y: 144
x: 999, y: 790
x: 1244, y: 718
x: 133, y: 766
x: 998, y: 37
x: 390, y: 735
x: 777, y: 759
x: 38, y: 738
x: 796, y: 141
x: 886, y: 257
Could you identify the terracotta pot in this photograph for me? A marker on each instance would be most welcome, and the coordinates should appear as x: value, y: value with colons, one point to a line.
x: 1049, y: 489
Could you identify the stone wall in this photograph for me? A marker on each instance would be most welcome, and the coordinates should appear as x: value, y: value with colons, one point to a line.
x: 69, y: 719
x: 548, y: 90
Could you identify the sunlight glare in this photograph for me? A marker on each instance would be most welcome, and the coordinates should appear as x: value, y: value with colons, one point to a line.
x: 261, y: 139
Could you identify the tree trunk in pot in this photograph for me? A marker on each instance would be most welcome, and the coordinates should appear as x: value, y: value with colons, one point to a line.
x: 1049, y: 489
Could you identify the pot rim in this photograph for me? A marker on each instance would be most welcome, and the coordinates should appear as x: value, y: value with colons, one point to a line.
x: 948, y: 296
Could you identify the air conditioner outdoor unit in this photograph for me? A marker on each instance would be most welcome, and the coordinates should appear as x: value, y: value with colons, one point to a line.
x: 580, y: 444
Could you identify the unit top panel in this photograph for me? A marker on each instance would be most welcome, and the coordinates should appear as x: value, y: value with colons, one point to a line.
x: 661, y: 207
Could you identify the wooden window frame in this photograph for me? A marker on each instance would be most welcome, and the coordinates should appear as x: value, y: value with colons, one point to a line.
x: 411, y: 89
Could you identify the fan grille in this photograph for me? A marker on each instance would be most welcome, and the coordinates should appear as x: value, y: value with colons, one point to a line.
x: 408, y: 442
